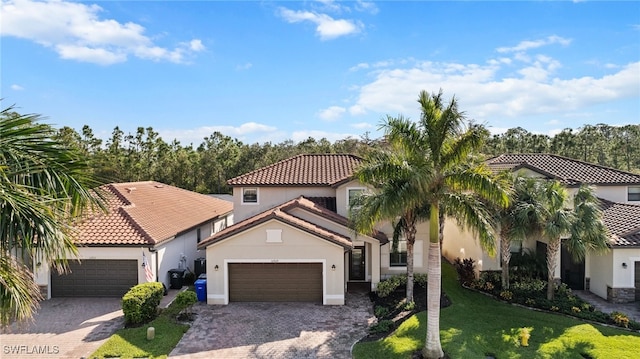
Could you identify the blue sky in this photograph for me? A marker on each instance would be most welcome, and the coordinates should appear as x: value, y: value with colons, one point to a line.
x: 272, y: 71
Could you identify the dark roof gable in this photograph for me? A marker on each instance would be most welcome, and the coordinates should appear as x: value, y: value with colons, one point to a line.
x: 569, y: 171
x: 302, y: 170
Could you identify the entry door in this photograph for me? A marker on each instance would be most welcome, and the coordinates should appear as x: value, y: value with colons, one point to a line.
x: 356, y: 264
x: 637, y: 279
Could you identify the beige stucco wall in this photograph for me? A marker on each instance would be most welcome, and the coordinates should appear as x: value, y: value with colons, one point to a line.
x: 420, y: 251
x: 296, y: 246
x: 600, y: 272
x: 269, y: 197
x: 461, y: 243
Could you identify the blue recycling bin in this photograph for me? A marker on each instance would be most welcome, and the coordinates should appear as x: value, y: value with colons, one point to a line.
x: 201, y: 289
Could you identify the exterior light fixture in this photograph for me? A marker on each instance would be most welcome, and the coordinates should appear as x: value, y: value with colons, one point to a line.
x: 333, y: 267
x: 624, y: 265
x: 216, y: 267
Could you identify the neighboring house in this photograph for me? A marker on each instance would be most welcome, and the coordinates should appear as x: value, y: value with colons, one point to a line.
x: 149, y: 229
x: 291, y: 240
x: 614, y: 276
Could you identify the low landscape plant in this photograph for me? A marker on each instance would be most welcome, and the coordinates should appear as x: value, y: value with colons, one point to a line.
x: 140, y: 303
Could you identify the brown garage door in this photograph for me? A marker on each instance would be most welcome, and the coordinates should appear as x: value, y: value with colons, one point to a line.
x: 95, y: 278
x: 275, y: 282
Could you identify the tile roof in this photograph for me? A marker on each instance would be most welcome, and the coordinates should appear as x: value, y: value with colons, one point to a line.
x: 623, y: 222
x: 302, y: 170
x: 147, y: 213
x: 568, y: 171
x: 281, y: 213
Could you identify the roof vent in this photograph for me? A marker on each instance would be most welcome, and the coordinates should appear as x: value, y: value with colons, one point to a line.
x: 130, y: 189
x: 159, y: 186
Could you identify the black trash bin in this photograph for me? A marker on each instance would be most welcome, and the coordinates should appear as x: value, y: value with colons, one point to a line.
x: 199, y: 266
x: 176, y: 276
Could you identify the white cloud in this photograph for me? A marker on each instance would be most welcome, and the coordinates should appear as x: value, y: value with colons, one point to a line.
x: 366, y: 6
x: 485, y: 94
x: 362, y: 125
x: 326, y: 27
x: 532, y: 44
x: 245, y: 66
x: 248, y: 130
x: 76, y: 32
x: 16, y: 87
x: 332, y: 113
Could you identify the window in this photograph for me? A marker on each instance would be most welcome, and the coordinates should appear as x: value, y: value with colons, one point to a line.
x: 249, y: 195
x: 198, y: 235
x: 399, y: 257
x: 353, y: 193
x: 634, y: 193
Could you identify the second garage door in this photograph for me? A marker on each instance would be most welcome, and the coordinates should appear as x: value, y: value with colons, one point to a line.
x: 95, y: 278
x: 275, y: 282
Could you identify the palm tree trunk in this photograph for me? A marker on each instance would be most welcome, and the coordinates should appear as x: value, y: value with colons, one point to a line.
x: 433, y: 347
x: 505, y: 255
x: 552, y: 251
x: 410, y: 243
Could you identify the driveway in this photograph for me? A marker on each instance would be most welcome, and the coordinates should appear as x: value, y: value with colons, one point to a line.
x: 64, y: 328
x: 276, y: 330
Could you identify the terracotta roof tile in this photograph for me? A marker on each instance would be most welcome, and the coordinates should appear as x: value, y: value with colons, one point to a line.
x: 147, y: 213
x: 623, y: 222
x: 281, y: 213
x: 302, y: 170
x: 566, y: 170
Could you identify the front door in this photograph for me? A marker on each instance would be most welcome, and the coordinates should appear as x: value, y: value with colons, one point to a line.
x: 356, y: 264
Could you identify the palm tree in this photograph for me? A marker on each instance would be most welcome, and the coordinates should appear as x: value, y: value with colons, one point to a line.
x: 455, y: 186
x: 43, y: 187
x: 519, y: 219
x: 396, y: 173
x: 429, y: 168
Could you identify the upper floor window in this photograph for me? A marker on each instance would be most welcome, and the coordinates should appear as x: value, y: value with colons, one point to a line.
x: 399, y: 257
x: 250, y: 195
x: 353, y: 193
x: 198, y: 235
x: 634, y: 193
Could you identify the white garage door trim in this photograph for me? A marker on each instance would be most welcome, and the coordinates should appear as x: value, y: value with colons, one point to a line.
x: 226, y: 274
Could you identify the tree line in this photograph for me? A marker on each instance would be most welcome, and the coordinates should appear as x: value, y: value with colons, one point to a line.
x: 144, y: 155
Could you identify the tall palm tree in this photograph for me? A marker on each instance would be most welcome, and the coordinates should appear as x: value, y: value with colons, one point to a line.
x: 457, y: 188
x: 43, y: 187
x: 428, y: 170
x: 396, y: 174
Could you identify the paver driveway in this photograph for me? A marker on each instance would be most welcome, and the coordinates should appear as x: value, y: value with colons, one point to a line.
x: 64, y: 328
x: 276, y: 330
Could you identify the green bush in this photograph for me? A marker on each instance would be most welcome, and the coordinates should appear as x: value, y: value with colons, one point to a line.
x: 466, y: 271
x: 420, y: 279
x: 140, y: 303
x: 382, y: 326
x: 390, y: 284
x: 380, y: 311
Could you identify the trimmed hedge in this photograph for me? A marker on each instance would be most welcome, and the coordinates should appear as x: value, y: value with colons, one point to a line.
x: 140, y: 303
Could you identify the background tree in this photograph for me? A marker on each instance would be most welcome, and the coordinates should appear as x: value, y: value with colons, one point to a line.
x: 44, y: 185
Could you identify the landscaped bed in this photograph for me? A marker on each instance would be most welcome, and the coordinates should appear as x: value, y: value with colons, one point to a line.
x: 479, y: 326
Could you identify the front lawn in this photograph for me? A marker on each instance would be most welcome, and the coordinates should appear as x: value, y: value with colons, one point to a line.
x: 133, y: 343
x: 476, y: 326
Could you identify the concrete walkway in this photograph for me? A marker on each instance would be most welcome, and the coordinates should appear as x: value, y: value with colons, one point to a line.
x: 632, y: 310
x: 276, y: 330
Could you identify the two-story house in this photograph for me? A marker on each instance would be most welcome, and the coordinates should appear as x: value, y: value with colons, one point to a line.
x: 291, y: 240
x: 614, y: 276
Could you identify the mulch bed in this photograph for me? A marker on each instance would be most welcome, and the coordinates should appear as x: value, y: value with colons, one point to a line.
x: 398, y: 315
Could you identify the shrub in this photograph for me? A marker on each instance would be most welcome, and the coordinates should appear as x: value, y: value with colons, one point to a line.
x: 620, y: 319
x: 410, y: 306
x: 140, y: 303
x: 382, y: 326
x: 576, y: 309
x: 466, y: 270
x: 506, y: 295
x: 380, y: 311
x: 390, y: 284
x: 420, y: 279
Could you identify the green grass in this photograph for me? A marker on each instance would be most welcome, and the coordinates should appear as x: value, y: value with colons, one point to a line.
x: 133, y: 343
x: 476, y: 325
